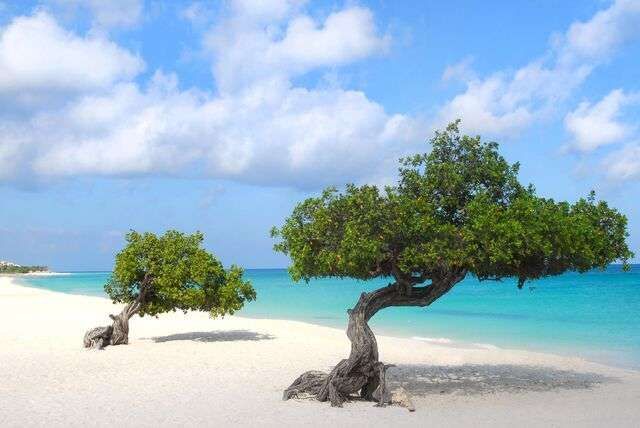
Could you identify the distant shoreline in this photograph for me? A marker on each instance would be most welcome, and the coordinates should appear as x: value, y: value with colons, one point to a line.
x: 36, y: 273
x: 61, y: 272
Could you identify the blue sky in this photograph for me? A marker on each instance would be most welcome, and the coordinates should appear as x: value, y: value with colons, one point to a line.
x: 220, y: 116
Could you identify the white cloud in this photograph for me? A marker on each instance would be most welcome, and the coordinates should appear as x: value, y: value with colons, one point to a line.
x: 506, y: 102
x: 106, y: 14
x: 595, y: 125
x: 260, y: 128
x: 266, y: 135
x: 605, y: 31
x: 36, y: 55
x: 115, y: 13
x: 264, y: 11
x: 484, y: 108
x: 277, y: 43
x: 623, y: 164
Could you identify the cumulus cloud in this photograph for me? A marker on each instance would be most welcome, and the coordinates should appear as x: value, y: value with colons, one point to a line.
x: 595, y: 125
x: 258, y: 44
x: 36, y: 55
x: 259, y: 127
x: 265, y: 135
x: 605, y: 31
x: 484, y: 107
x: 506, y: 102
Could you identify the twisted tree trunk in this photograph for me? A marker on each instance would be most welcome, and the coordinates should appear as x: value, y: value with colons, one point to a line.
x: 362, y: 372
x: 115, y: 334
x: 118, y: 332
x: 120, y: 335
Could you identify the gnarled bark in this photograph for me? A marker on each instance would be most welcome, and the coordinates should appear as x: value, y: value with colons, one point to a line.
x: 115, y: 334
x: 362, y: 372
x: 118, y: 332
x: 98, y: 337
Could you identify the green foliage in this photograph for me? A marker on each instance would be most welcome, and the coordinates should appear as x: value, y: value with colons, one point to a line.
x: 459, y: 206
x: 173, y: 272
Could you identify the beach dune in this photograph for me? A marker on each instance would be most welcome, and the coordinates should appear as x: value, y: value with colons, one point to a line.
x: 193, y: 370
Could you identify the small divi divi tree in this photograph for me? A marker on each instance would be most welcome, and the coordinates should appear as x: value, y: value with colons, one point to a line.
x: 157, y: 274
x: 456, y: 210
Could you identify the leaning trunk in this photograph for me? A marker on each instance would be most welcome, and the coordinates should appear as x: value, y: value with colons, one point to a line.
x: 120, y: 335
x: 118, y: 332
x: 362, y: 372
x: 115, y: 334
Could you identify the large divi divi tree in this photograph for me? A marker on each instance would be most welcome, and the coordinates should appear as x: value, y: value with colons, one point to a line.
x: 455, y: 211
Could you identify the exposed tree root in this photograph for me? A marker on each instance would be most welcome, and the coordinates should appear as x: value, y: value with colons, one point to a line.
x: 98, y: 337
x: 310, y: 383
x: 307, y: 384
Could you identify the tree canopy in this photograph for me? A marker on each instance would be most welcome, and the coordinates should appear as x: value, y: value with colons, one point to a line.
x: 457, y: 208
x: 173, y: 272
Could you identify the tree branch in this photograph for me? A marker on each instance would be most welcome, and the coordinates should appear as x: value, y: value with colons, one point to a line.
x: 134, y: 307
x: 397, y: 295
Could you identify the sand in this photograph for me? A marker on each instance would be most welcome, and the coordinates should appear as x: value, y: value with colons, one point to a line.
x: 184, y: 370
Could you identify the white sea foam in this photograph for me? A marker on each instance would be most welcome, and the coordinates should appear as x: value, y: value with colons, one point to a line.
x: 442, y: 340
x: 46, y: 274
x: 485, y: 346
x: 455, y: 344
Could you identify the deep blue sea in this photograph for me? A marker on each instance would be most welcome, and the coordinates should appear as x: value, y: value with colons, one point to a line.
x: 594, y: 315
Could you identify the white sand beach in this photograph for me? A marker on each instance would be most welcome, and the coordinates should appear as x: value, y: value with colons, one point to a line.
x: 186, y: 370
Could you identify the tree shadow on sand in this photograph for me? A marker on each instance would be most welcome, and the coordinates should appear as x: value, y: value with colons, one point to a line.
x: 488, y: 379
x: 214, y: 336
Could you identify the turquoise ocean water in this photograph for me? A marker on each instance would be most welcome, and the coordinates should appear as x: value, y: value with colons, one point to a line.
x: 594, y: 315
